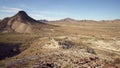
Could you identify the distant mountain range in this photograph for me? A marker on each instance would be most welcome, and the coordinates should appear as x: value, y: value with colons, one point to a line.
x: 74, y: 20
x: 23, y: 23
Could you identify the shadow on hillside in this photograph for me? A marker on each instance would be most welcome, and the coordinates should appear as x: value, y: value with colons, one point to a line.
x: 9, y: 50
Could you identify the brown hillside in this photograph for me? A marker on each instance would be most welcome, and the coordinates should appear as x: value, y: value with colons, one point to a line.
x: 20, y: 22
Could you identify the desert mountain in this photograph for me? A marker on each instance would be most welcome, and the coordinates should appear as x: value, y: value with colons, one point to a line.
x: 68, y: 20
x: 65, y: 20
x: 20, y: 22
x: 71, y: 20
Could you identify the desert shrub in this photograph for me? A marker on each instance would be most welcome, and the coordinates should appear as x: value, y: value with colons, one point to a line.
x: 66, y: 44
x: 31, y: 51
x: 14, y: 49
x: 90, y: 50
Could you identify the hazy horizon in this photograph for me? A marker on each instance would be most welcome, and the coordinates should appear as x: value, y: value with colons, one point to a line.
x: 59, y: 9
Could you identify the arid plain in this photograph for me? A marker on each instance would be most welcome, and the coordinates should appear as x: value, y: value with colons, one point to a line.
x: 65, y: 43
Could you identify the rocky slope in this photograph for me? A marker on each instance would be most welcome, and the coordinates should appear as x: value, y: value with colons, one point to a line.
x: 54, y: 56
x: 20, y: 22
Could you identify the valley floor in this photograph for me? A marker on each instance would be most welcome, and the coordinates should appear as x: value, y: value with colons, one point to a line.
x: 80, y: 45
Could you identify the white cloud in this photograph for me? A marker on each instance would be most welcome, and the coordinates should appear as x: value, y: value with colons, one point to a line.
x: 10, y: 9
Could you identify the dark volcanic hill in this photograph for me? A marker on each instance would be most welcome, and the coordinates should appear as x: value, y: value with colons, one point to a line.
x: 23, y: 17
x: 20, y: 22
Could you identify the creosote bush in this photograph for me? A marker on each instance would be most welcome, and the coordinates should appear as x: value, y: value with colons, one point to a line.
x: 90, y: 50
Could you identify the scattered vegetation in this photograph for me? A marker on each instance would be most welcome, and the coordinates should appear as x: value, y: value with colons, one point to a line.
x: 75, y: 50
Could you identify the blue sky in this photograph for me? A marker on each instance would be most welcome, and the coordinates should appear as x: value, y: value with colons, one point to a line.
x: 59, y: 9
